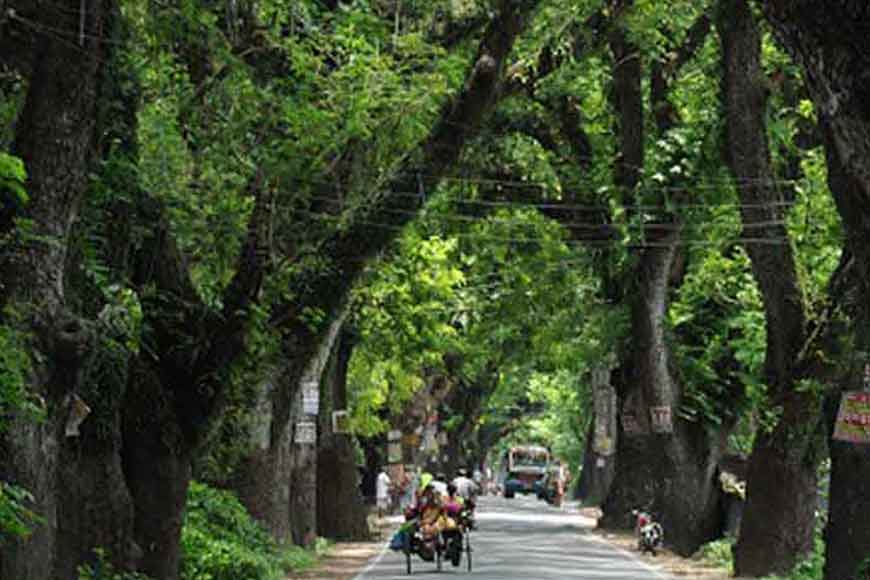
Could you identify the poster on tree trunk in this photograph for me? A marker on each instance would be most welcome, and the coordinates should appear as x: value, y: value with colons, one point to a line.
x: 853, y: 417
x: 310, y: 397
x: 306, y: 432
x: 660, y: 419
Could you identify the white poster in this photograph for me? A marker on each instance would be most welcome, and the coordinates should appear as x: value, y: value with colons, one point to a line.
x: 306, y: 432
x: 310, y: 398
x: 660, y: 419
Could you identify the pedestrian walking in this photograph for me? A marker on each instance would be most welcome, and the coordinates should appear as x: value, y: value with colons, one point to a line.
x: 382, y: 492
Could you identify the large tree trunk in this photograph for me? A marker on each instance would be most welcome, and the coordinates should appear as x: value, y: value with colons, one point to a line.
x: 599, y: 458
x: 303, y: 478
x: 778, y: 521
x: 670, y: 469
x: 277, y: 480
x: 262, y: 480
x: 157, y: 465
x: 670, y: 472
x: 847, y: 540
x: 341, y: 513
x: 56, y: 138
x: 830, y: 41
x: 95, y: 508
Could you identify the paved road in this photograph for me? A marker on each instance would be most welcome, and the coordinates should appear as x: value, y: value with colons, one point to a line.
x: 523, y: 538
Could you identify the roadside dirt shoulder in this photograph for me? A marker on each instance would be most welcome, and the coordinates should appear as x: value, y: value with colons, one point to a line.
x: 347, y: 559
x: 666, y: 561
x: 344, y: 561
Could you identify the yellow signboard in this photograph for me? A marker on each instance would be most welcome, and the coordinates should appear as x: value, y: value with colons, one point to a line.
x: 853, y: 418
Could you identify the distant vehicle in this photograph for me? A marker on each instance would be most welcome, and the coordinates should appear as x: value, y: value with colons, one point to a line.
x: 525, y: 466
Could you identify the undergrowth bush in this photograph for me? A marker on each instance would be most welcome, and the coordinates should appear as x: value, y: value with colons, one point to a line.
x: 102, y: 569
x: 220, y: 541
x: 719, y: 554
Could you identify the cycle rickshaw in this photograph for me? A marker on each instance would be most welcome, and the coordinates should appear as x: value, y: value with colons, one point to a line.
x: 447, y: 544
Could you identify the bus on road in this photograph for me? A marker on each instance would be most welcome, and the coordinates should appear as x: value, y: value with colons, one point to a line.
x: 524, y: 466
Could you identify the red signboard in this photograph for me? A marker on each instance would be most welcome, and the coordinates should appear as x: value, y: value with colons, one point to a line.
x: 853, y: 418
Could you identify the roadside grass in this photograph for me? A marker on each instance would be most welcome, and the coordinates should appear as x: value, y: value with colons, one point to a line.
x: 718, y: 553
x: 220, y: 541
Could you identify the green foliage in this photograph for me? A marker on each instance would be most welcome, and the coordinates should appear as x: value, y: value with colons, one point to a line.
x: 103, y: 569
x: 220, y: 541
x: 15, y: 366
x: 16, y: 519
x: 718, y: 553
x: 718, y: 319
x: 12, y: 179
x: 403, y: 316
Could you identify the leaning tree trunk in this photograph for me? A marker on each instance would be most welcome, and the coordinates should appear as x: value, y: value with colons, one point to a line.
x: 665, y: 463
x: 348, y: 249
x: 778, y: 522
x: 303, y: 477
x: 56, y: 137
x: 341, y: 513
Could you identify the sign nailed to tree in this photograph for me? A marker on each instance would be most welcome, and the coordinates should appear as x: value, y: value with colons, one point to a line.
x: 310, y: 397
x: 660, y: 419
x: 853, y: 418
x: 306, y: 432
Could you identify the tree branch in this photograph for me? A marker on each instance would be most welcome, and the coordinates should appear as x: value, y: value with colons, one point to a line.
x: 522, y: 78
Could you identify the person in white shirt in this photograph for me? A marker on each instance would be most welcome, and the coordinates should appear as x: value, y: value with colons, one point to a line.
x: 382, y: 492
x: 440, y: 484
x: 465, y: 487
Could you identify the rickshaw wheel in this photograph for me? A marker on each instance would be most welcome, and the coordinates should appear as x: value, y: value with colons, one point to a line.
x: 468, y: 550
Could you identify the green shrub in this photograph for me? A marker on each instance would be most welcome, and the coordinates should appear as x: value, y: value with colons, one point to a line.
x: 718, y: 553
x: 103, y: 570
x: 16, y: 519
x: 220, y: 541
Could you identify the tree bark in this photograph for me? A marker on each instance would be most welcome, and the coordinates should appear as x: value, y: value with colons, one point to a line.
x: 846, y: 540
x: 778, y: 521
x: 599, y: 458
x: 56, y: 136
x: 671, y: 474
x: 670, y: 469
x: 157, y: 466
x: 830, y: 42
x: 341, y: 513
x: 303, y: 477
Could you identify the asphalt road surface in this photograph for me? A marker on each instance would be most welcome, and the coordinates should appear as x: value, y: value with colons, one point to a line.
x: 524, y: 538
